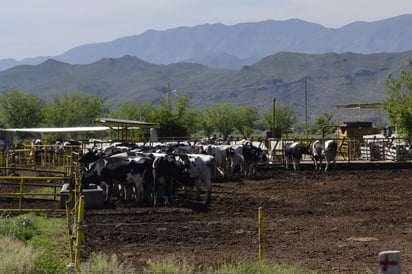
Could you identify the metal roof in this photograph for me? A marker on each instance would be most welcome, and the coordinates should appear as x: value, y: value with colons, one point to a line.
x: 55, y: 129
x: 112, y: 122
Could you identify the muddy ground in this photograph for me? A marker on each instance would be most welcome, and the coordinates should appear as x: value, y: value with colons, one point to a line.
x: 337, y: 221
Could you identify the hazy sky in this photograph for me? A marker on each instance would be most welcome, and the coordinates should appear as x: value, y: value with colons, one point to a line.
x: 31, y: 28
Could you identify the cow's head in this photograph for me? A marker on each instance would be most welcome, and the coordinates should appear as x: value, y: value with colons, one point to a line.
x: 90, y: 156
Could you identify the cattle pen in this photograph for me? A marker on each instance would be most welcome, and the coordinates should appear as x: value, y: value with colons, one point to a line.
x: 375, y: 152
x: 51, y: 170
x: 137, y: 228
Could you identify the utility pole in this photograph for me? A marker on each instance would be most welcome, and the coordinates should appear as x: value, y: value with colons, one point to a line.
x: 274, y: 114
x: 306, y: 106
x: 168, y: 96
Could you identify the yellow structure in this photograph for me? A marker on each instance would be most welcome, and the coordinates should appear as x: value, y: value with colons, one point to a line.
x: 352, y: 131
x: 357, y: 128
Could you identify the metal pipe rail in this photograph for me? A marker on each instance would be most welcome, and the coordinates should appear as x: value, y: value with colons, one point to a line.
x: 21, y: 195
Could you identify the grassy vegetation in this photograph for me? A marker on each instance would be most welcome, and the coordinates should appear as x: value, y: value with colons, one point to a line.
x: 38, y: 237
x: 173, y: 265
x: 100, y: 263
x: 15, y: 256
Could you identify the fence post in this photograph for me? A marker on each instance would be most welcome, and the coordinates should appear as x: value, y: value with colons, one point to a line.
x: 260, y: 233
x: 75, y: 218
x: 21, y: 194
x: 79, y: 232
x: 70, y: 232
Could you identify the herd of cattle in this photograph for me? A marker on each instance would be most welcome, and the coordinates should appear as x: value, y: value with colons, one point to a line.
x: 154, y: 175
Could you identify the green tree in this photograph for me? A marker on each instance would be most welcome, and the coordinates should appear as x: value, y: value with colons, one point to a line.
x: 171, y: 126
x: 399, y: 101
x: 134, y: 111
x: 175, y: 116
x: 206, y: 124
x: 222, y: 118
x: 139, y: 112
x: 246, y: 120
x: 193, y: 121
x: 321, y: 120
x: 285, y: 118
x: 20, y: 110
x: 188, y: 116
x: 181, y: 104
x: 76, y: 109
x: 170, y: 115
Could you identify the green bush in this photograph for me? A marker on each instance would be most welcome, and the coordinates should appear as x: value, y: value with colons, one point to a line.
x: 21, y: 227
x: 36, y: 235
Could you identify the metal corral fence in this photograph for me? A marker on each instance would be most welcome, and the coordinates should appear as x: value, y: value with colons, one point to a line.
x: 33, y: 174
x: 25, y: 193
x: 40, y: 157
x: 359, y: 149
x: 30, y: 174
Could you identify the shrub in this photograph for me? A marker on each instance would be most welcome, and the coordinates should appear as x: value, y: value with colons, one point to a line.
x: 15, y: 256
x: 21, y: 227
x: 36, y: 235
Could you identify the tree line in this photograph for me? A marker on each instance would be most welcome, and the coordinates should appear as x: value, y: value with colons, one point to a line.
x: 177, y: 117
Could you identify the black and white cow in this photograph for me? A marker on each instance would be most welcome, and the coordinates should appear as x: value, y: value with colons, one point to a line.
x: 237, y: 165
x: 127, y: 172
x: 252, y: 155
x: 293, y: 153
x: 316, y: 151
x: 222, y: 155
x: 196, y: 170
x: 165, y: 173
x: 329, y: 152
x: 37, y: 150
x: 60, y: 147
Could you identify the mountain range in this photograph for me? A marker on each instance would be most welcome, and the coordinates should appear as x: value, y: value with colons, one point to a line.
x: 244, y: 64
x: 222, y: 46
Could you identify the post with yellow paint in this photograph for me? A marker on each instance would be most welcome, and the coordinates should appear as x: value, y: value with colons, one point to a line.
x: 70, y: 230
x: 21, y: 196
x: 80, y: 239
x: 260, y: 233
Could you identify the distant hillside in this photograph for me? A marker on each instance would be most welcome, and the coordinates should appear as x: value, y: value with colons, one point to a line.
x: 232, y: 47
x: 247, y: 40
x: 331, y: 79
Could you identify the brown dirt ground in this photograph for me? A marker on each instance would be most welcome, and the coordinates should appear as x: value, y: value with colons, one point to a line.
x: 331, y: 222
x: 338, y: 221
